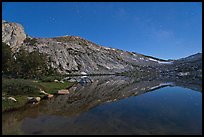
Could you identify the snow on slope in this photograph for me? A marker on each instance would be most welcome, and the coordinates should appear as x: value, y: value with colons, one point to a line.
x: 161, y: 62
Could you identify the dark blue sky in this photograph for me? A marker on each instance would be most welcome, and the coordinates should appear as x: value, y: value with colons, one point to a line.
x: 160, y: 29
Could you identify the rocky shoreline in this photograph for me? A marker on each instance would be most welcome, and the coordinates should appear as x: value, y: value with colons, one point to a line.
x: 11, y: 102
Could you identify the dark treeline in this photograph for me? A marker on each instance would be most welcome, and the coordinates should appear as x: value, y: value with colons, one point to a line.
x: 23, y: 64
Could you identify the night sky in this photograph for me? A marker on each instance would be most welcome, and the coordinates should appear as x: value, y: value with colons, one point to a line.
x: 167, y: 30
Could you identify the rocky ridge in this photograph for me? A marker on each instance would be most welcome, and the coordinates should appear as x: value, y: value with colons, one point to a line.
x: 75, y: 55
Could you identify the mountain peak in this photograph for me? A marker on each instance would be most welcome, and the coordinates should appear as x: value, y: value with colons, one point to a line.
x: 12, y: 34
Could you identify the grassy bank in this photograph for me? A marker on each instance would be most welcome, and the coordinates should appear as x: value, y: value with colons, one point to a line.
x: 20, y: 89
x: 8, y: 105
x: 53, y: 87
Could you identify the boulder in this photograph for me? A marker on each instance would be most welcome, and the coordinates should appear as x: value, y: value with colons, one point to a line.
x: 12, y: 98
x: 56, y: 80
x: 37, y: 99
x: 50, y: 95
x: 33, y: 99
x: 43, y: 92
x: 83, y: 73
x: 63, y: 91
x: 61, y: 81
x: 72, y: 80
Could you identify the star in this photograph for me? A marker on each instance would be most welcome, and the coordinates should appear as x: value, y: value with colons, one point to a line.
x: 52, y: 18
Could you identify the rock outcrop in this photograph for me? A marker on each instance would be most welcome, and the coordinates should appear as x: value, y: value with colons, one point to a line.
x: 13, y: 34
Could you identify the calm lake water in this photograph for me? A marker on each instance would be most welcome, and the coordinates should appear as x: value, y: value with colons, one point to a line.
x: 114, y: 105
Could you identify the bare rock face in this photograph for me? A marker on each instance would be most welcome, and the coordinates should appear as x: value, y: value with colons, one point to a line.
x: 13, y: 34
x: 72, y: 54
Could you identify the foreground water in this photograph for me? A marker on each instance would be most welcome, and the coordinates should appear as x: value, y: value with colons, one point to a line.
x: 114, y: 105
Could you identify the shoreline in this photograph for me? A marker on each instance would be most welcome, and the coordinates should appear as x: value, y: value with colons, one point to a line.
x: 43, y: 91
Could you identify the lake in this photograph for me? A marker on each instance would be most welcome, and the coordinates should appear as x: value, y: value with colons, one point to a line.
x: 114, y: 105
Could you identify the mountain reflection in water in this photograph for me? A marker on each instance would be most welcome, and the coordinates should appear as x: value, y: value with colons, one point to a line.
x: 107, y: 106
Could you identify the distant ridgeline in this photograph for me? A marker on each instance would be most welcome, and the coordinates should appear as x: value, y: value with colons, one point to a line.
x: 75, y: 55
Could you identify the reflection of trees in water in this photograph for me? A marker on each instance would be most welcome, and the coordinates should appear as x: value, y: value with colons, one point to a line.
x: 84, y: 97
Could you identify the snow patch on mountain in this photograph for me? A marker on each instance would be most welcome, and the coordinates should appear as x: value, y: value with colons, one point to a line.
x: 161, y: 62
